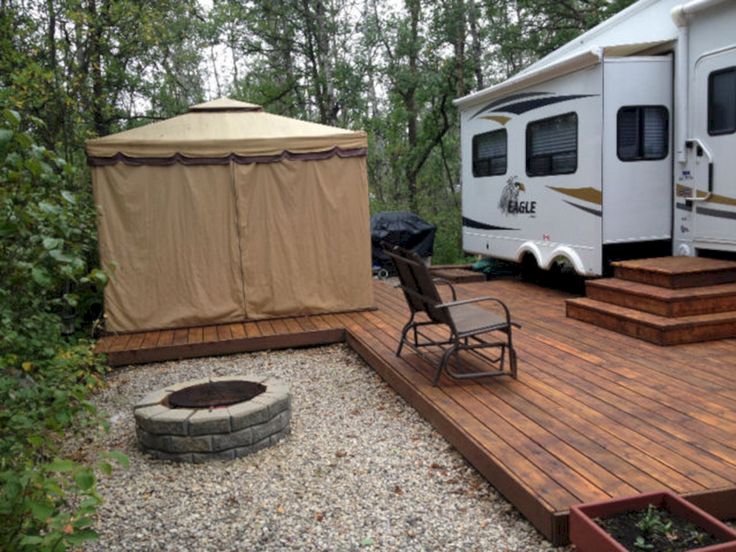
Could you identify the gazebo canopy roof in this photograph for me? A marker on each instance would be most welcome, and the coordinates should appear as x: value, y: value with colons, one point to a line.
x: 223, y: 127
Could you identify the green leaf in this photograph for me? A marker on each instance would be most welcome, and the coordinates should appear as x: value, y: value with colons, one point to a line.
x: 31, y: 540
x: 62, y: 417
x: 13, y: 488
x: 120, y: 458
x: 40, y: 276
x: 7, y: 228
x: 36, y: 440
x: 89, y: 502
x: 5, y: 135
x: 59, y: 255
x: 24, y: 141
x: 12, y: 116
x: 83, y: 522
x: 41, y: 511
x: 78, y: 537
x: 33, y: 165
x: 52, y: 243
x: 100, y: 277
x: 69, y: 197
x: 85, y: 479
x: 367, y: 542
x: 61, y: 465
x: 47, y: 207
x: 105, y: 468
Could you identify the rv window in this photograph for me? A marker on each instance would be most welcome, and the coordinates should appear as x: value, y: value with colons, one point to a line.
x: 722, y: 101
x: 643, y: 133
x: 489, y: 153
x: 552, y: 145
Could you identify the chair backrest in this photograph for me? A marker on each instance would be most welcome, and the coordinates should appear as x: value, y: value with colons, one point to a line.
x: 417, y: 284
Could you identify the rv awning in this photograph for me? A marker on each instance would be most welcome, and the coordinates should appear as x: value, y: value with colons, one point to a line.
x: 559, y: 68
x: 222, y: 128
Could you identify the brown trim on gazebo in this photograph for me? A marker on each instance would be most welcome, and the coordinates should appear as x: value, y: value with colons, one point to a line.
x: 233, y: 157
x: 224, y: 109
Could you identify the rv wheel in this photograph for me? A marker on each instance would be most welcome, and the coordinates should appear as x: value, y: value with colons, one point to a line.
x: 530, y: 271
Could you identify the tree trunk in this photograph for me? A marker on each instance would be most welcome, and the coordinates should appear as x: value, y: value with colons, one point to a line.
x: 410, y: 101
x: 458, y: 45
x: 475, y: 44
x: 97, y: 99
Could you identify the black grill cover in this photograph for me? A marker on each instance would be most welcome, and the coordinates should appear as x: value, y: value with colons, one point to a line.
x: 403, y: 229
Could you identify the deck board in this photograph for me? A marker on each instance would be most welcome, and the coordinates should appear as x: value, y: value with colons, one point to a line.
x: 594, y: 414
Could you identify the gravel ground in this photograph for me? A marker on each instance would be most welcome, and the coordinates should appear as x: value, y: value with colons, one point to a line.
x: 360, y: 469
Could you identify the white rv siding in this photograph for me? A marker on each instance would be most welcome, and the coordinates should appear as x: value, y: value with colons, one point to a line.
x: 637, y: 195
x: 562, y: 217
x: 708, y: 224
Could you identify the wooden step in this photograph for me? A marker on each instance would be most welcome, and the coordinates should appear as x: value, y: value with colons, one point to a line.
x: 458, y: 274
x: 651, y: 327
x: 677, y: 272
x: 663, y: 301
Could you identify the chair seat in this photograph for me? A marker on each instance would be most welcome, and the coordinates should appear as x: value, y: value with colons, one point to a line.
x: 470, y: 319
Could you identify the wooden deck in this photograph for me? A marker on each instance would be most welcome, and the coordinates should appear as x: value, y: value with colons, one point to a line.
x: 594, y: 414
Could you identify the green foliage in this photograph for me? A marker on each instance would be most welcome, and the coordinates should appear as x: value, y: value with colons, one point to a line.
x: 658, y: 531
x: 651, y: 522
x: 46, y: 237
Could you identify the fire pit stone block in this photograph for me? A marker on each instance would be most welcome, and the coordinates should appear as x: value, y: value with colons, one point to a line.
x: 232, y: 440
x: 248, y: 413
x: 171, y: 421
x: 207, y: 422
x: 152, y: 399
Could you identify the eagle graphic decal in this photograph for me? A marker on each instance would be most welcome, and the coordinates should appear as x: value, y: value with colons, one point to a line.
x: 509, y: 201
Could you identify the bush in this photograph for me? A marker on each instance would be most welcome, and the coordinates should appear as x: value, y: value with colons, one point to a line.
x: 45, y: 240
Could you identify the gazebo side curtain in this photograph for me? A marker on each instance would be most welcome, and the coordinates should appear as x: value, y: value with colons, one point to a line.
x: 201, y: 244
x: 305, y: 236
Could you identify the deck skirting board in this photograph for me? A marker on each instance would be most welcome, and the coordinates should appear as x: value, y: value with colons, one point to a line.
x: 225, y: 347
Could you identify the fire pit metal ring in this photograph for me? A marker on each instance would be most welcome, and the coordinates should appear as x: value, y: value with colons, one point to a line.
x: 184, y: 434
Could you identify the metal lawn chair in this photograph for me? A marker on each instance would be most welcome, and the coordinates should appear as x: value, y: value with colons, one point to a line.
x: 465, y: 321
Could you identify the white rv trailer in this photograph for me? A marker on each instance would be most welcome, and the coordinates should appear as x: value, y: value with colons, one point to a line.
x: 620, y: 144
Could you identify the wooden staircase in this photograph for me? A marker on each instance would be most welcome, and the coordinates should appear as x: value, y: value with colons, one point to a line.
x: 665, y: 300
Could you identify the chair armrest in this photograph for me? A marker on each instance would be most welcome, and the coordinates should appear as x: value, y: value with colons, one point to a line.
x: 447, y: 283
x: 465, y: 302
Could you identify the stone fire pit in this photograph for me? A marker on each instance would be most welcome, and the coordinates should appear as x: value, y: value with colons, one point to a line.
x: 213, y: 419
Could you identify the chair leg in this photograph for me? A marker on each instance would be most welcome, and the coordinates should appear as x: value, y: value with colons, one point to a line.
x: 512, y: 355
x: 405, y: 331
x: 512, y: 363
x: 445, y: 358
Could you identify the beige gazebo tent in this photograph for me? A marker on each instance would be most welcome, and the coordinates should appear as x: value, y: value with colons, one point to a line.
x: 229, y: 213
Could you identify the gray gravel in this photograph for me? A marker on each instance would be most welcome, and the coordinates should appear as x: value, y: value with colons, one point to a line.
x: 360, y: 469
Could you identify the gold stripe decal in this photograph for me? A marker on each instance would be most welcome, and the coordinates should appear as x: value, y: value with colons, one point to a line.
x: 686, y: 191
x: 498, y: 118
x: 591, y: 195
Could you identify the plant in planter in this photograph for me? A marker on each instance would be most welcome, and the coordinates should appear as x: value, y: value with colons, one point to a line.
x: 661, y: 522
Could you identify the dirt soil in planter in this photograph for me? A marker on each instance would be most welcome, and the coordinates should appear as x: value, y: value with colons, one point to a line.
x: 681, y: 536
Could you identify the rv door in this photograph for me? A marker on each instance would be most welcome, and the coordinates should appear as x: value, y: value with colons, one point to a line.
x: 705, y: 217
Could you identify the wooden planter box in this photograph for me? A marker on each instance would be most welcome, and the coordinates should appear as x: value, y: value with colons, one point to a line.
x: 588, y: 536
